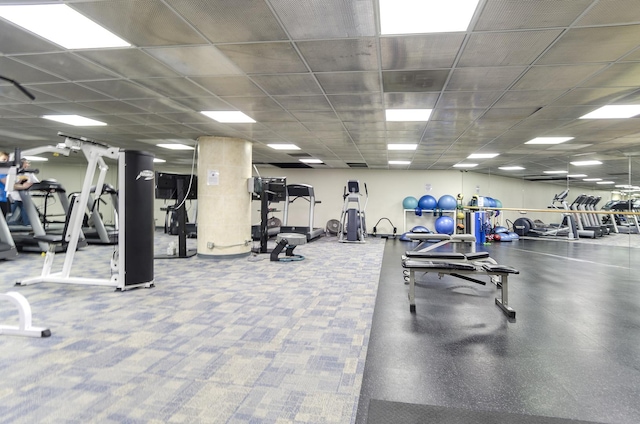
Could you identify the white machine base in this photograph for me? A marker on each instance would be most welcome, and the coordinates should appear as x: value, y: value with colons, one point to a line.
x: 24, y: 327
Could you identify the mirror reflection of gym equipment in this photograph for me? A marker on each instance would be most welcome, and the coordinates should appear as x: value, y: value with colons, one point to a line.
x: 180, y: 188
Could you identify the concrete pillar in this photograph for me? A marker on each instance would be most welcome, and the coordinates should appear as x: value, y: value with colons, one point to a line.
x: 224, y: 203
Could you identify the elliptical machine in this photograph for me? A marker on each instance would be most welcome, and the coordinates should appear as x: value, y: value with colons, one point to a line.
x: 352, y: 219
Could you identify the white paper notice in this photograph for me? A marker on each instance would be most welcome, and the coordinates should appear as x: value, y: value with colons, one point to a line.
x: 213, y: 177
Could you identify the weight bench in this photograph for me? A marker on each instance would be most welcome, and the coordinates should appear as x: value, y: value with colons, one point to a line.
x: 465, y: 271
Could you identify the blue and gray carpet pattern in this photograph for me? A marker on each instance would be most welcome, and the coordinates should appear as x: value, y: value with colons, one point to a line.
x: 234, y: 341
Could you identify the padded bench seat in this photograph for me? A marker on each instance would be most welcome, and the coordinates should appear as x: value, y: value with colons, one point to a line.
x: 471, y: 256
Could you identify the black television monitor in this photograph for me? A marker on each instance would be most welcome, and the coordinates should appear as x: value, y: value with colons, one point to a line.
x: 275, y: 189
x: 167, y: 185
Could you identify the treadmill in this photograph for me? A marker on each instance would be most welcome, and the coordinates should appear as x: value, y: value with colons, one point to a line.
x: 7, y: 246
x: 295, y: 192
x: 25, y: 237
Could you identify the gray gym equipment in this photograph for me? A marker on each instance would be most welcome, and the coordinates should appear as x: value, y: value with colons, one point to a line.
x: 295, y: 192
x: 352, y: 219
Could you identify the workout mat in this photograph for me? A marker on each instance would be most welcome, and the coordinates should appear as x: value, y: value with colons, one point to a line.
x: 385, y: 412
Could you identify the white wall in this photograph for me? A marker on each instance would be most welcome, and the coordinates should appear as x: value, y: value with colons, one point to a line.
x: 387, y: 189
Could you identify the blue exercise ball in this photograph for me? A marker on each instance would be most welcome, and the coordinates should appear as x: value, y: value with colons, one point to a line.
x: 404, y: 237
x: 410, y: 202
x: 447, y: 203
x: 445, y: 225
x: 427, y: 202
x: 498, y: 203
x: 420, y: 229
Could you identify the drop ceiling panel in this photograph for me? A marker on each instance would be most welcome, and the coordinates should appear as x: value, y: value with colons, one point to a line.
x: 617, y: 75
x: 410, y: 100
x: 132, y: 63
x: 592, y: 96
x: 204, y: 103
x: 349, y: 82
x: 459, y: 114
x: 22, y: 73
x: 528, y: 98
x: 195, y: 61
x: 160, y: 105
x: 506, y: 48
x: 171, y: 87
x: 326, y: 18
x: 324, y: 119
x: 555, y: 77
x: 112, y: 107
x: 288, y: 84
x: 264, y: 58
x: 360, y: 115
x: 121, y: 89
x: 600, y: 44
x: 237, y: 86
x: 357, y: 102
x: 69, y: 91
x: 67, y: 65
x: 518, y: 14
x: 483, y: 79
x: 231, y: 21
x: 141, y: 22
x: 469, y: 99
x: 414, y: 81
x: 249, y: 104
x: 298, y: 104
x: 420, y: 52
x: 359, y: 54
x: 611, y: 12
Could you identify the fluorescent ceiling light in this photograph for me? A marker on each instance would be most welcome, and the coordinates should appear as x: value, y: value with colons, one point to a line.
x: 586, y: 163
x: 592, y: 179
x: 556, y: 172
x: 36, y: 158
x: 483, y: 155
x: 606, y: 182
x: 158, y: 160
x: 613, y: 112
x: 402, y: 146
x: 311, y: 160
x: 175, y: 146
x: 408, y: 115
x: 577, y: 175
x: 548, y: 140
x: 228, y: 116
x: 465, y: 165
x: 425, y: 16
x: 75, y: 120
x: 283, y: 146
x: 511, y: 168
x: 399, y: 162
x: 62, y: 25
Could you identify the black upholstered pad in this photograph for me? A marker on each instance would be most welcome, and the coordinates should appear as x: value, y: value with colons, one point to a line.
x: 500, y: 268
x: 456, y: 266
x: 435, y: 255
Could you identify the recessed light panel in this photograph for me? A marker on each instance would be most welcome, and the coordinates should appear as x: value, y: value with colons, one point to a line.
x: 577, y: 175
x: 283, y: 146
x: 465, y: 165
x: 483, y: 155
x: 408, y: 115
x: 310, y: 160
x: 75, y: 120
x: 228, y: 117
x: 613, y: 112
x: 511, y: 168
x: 402, y: 146
x: 158, y: 160
x: 399, y: 162
x: 556, y: 172
x: 548, y: 140
x: 425, y: 16
x: 586, y: 163
x: 606, y: 182
x: 592, y: 179
x: 175, y: 146
x: 62, y: 25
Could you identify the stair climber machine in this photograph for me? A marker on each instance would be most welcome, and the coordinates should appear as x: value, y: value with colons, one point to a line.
x: 567, y: 228
x: 352, y: 218
x: 305, y: 192
x: 131, y: 261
